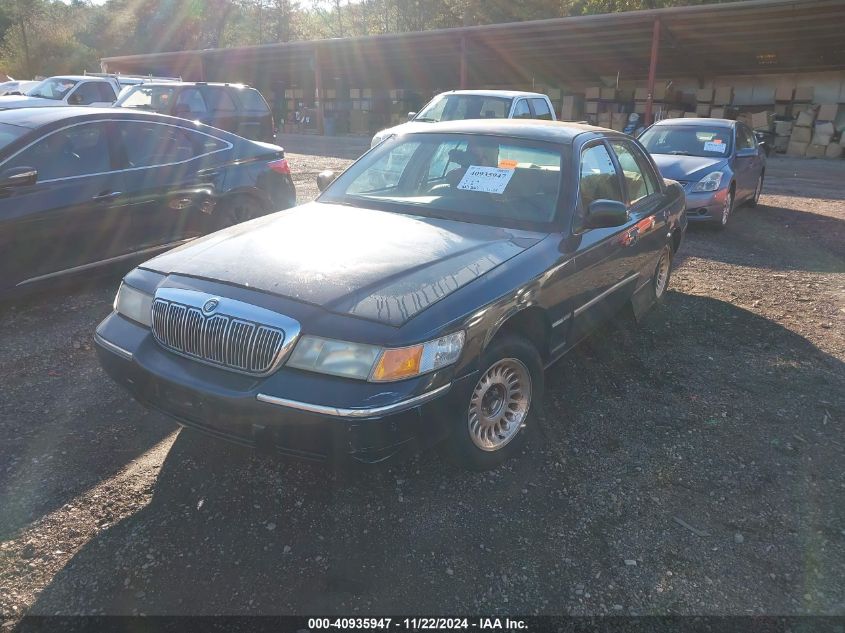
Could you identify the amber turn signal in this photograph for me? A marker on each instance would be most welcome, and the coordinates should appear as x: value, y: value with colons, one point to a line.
x: 396, y: 364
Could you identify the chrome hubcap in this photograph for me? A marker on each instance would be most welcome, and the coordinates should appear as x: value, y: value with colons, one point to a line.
x: 499, y: 404
x: 726, y: 211
x: 662, y: 276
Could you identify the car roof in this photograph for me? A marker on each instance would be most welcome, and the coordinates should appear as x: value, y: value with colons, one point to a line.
x: 529, y: 129
x: 698, y: 121
x: 495, y: 93
x: 38, y: 117
x: 78, y: 77
x: 172, y: 84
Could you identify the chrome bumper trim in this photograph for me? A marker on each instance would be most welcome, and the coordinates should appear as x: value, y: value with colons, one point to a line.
x: 355, y: 413
x: 112, y: 347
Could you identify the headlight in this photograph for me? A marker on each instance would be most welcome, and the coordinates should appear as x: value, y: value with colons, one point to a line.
x: 377, y: 364
x: 710, y: 182
x: 134, y: 304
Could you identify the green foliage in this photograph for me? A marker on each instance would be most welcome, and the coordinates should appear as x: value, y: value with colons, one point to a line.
x: 48, y: 37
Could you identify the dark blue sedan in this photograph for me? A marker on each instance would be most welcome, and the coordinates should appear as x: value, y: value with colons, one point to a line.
x: 717, y: 161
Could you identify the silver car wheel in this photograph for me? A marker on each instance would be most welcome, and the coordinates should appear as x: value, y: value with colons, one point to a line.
x: 499, y: 404
x: 661, y: 276
x: 726, y: 210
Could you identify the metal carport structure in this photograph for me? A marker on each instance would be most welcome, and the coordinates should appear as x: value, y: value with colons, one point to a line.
x: 739, y: 38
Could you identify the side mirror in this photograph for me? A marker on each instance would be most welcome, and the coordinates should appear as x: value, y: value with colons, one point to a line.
x: 606, y: 213
x: 18, y: 177
x: 746, y: 152
x: 325, y: 178
x: 411, y: 116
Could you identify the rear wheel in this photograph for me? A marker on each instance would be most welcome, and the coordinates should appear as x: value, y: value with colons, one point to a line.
x: 660, y: 281
x: 491, y: 425
x: 759, y: 190
x: 235, y: 210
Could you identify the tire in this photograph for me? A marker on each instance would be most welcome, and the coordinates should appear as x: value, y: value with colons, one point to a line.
x: 727, y: 210
x: 235, y: 210
x: 662, y: 273
x: 752, y: 202
x: 511, y: 372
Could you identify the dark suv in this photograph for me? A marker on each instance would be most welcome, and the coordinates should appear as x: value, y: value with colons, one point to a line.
x: 236, y: 108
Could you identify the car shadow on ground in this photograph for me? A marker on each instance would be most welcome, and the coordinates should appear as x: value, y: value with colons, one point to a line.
x: 773, y: 238
x: 690, y: 416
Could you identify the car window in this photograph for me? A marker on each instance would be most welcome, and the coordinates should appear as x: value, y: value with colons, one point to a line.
x: 688, y: 140
x: 55, y: 88
x: 10, y: 133
x: 541, y: 109
x: 472, y: 178
x: 521, y: 110
x: 598, y: 177
x: 454, y: 107
x: 79, y: 150
x: 151, y: 144
x: 191, y: 98
x: 85, y: 94
x: 219, y: 100
x: 744, y: 138
x: 636, y: 182
x: 251, y: 99
x: 106, y: 92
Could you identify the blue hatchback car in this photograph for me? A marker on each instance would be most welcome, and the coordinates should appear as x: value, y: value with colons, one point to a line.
x: 717, y: 161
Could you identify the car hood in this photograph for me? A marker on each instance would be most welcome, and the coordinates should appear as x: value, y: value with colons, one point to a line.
x: 20, y: 101
x: 382, y: 266
x: 687, y: 168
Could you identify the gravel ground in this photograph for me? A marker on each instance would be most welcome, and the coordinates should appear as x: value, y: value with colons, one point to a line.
x: 691, y: 464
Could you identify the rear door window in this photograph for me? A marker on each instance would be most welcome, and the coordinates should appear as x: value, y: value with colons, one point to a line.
x: 219, y: 100
x: 155, y: 144
x: 86, y: 94
x: 252, y: 100
x: 192, y: 100
x: 541, y: 109
x: 639, y: 180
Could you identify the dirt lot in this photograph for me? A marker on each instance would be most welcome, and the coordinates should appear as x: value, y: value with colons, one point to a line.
x: 694, y: 464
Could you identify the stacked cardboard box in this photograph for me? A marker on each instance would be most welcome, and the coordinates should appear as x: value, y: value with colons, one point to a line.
x: 802, y: 133
x: 572, y: 108
x: 783, y: 129
x: 826, y: 129
x: 762, y: 120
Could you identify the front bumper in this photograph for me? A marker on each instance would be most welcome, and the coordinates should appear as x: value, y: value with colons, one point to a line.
x: 292, y: 412
x: 705, y: 206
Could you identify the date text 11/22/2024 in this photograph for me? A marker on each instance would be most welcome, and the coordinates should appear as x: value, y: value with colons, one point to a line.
x: 418, y: 624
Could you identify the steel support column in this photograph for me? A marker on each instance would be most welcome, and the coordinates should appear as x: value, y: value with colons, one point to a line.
x: 652, y: 71
x: 318, y: 92
x: 463, y: 80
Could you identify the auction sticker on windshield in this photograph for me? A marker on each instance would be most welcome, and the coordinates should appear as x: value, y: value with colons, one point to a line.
x: 485, y: 179
x: 715, y: 146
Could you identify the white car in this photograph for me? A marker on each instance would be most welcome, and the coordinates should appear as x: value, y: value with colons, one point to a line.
x: 458, y: 105
x: 68, y: 90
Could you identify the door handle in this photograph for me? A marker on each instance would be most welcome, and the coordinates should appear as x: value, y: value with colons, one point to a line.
x: 106, y: 196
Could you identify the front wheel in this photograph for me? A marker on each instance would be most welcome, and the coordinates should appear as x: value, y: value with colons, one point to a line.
x: 492, y: 423
x: 727, y: 209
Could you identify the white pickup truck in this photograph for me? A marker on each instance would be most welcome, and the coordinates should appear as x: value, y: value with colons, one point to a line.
x: 457, y: 105
x: 67, y: 90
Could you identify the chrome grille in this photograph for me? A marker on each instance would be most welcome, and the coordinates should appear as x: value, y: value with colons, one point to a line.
x: 228, y: 338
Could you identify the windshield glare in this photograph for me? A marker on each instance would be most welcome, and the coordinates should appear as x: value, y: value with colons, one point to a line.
x: 686, y: 140
x: 154, y: 98
x: 481, y: 179
x: 461, y: 107
x: 55, y: 89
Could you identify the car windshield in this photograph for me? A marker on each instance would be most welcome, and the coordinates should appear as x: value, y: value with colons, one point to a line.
x: 482, y: 179
x: 688, y: 140
x: 55, y: 89
x: 145, y: 97
x: 9, y: 133
x: 459, y: 107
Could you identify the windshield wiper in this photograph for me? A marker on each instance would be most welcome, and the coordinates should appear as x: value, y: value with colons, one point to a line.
x: 679, y: 152
x: 426, y: 120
